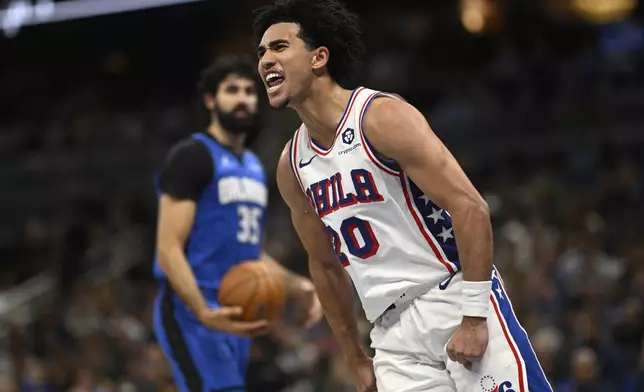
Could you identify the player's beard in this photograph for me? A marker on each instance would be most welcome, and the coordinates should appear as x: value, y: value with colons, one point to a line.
x: 235, y: 125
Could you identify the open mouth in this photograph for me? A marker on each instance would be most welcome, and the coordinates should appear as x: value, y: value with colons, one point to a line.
x: 240, y: 113
x: 274, y: 81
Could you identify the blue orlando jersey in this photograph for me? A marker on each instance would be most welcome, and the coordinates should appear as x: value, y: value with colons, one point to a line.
x: 228, y: 223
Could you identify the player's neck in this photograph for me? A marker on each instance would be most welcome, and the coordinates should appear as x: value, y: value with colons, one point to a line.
x: 233, y: 141
x: 322, y: 109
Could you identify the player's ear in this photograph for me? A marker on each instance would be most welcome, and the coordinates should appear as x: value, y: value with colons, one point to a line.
x: 320, y: 58
x: 209, y: 102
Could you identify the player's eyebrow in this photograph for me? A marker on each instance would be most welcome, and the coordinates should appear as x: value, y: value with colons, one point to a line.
x: 272, y: 44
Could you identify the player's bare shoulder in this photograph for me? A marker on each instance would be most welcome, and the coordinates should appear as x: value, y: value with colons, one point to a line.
x: 284, y: 170
x: 286, y: 181
x: 395, y: 128
x: 387, y: 111
x: 284, y: 162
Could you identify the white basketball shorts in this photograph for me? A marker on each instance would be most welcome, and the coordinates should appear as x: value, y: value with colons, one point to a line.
x: 410, y: 344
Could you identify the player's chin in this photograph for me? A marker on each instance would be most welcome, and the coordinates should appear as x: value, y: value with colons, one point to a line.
x: 278, y: 96
x: 278, y: 101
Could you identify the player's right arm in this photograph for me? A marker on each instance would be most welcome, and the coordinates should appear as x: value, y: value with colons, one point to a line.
x: 183, y: 177
x: 186, y: 172
x: 176, y: 217
x: 331, y: 281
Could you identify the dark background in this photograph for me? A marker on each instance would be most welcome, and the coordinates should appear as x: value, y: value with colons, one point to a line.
x: 543, y: 107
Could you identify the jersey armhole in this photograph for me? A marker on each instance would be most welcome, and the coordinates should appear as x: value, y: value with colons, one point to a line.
x: 187, y: 171
x: 210, y: 150
x: 388, y: 166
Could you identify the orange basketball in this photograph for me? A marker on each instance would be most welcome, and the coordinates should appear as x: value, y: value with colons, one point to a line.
x: 255, y: 288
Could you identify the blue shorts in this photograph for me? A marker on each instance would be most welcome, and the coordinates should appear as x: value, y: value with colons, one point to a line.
x: 202, y: 359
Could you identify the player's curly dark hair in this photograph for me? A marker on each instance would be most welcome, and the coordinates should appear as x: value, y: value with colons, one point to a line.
x: 212, y: 76
x: 322, y: 23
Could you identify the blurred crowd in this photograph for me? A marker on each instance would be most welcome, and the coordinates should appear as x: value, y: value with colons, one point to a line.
x: 545, y: 118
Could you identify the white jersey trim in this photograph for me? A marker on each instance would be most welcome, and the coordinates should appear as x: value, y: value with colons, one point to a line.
x: 345, y: 116
x: 365, y: 142
x: 293, y: 158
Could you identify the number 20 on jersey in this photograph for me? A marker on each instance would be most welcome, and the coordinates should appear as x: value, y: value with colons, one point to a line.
x: 358, y: 236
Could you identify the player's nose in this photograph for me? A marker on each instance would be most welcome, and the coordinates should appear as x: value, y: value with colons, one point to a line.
x: 267, y: 62
x: 246, y: 102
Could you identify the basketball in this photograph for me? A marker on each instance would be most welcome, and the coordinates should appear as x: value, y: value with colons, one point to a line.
x: 255, y: 288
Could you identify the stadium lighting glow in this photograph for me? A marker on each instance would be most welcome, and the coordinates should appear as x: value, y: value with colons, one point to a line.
x: 473, y: 20
x: 475, y: 15
x: 604, y: 10
x: 21, y: 13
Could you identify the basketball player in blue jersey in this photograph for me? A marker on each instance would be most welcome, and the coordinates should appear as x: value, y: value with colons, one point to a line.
x: 213, y: 197
x: 374, y: 192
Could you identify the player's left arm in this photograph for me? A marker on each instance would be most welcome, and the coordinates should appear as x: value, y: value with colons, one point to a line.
x: 297, y: 287
x: 400, y: 132
x: 292, y: 279
x: 276, y: 267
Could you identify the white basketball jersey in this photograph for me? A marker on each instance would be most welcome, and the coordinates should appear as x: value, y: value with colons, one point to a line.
x: 388, y: 235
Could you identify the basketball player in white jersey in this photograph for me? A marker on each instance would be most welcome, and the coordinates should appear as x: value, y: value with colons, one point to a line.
x: 372, y: 191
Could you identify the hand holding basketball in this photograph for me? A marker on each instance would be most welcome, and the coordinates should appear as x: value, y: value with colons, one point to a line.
x: 254, y: 288
x: 223, y: 319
